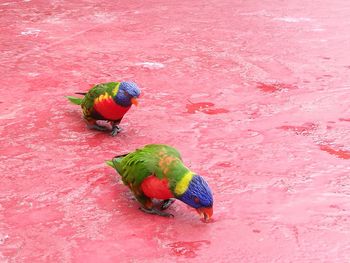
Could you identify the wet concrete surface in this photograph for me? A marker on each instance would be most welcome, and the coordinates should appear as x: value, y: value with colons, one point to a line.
x: 254, y: 94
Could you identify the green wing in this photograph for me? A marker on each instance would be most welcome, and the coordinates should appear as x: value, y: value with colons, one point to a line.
x: 88, y: 101
x: 138, y: 165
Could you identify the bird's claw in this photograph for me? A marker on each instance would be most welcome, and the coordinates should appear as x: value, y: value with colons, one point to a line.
x: 155, y: 212
x: 115, y: 130
x: 167, y: 203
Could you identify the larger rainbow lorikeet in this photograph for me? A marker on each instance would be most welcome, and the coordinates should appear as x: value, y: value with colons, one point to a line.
x: 157, y: 172
x: 104, y: 105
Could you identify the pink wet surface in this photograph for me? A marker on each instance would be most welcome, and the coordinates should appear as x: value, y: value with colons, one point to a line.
x: 255, y: 94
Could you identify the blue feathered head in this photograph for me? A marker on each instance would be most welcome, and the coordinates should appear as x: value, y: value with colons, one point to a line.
x: 127, y: 94
x: 193, y: 190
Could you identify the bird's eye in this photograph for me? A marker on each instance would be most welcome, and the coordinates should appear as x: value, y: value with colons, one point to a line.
x: 196, y: 199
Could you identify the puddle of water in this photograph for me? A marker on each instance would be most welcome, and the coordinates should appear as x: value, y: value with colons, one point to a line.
x: 187, y: 249
x: 205, y: 107
x: 225, y: 164
x: 305, y: 129
x: 343, y: 154
x: 273, y: 87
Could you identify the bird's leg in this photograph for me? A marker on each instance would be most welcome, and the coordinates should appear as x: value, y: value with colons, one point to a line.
x: 166, y: 203
x: 148, y: 207
x: 154, y: 211
x: 97, y: 127
x: 115, y: 128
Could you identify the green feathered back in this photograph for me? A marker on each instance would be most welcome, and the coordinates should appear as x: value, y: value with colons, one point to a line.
x: 154, y: 159
x: 88, y: 101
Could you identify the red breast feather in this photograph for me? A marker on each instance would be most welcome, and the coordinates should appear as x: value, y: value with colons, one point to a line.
x: 109, y: 109
x: 153, y: 187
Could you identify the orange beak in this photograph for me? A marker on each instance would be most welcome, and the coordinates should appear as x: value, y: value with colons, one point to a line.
x: 205, y: 212
x: 134, y: 101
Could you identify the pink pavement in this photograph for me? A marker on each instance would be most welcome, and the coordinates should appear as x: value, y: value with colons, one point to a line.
x: 254, y: 94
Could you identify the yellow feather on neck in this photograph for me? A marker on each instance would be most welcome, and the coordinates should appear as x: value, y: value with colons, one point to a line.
x: 115, y: 89
x: 182, y: 185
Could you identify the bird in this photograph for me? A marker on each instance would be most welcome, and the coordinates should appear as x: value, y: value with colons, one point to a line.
x: 156, y: 171
x: 105, y: 104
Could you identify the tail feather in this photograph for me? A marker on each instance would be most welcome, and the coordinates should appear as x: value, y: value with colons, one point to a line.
x: 110, y: 163
x: 119, y: 156
x: 74, y: 100
x: 116, y: 159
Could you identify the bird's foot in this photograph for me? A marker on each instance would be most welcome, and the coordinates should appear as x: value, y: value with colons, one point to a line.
x: 166, y: 203
x: 115, y: 130
x: 155, y: 212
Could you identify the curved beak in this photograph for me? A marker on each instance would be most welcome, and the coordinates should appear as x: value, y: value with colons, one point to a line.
x: 205, y: 212
x: 134, y: 101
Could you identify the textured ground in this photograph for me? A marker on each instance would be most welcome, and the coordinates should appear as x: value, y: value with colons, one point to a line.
x: 255, y: 94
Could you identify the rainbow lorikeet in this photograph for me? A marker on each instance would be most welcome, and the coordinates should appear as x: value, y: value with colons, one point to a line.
x: 157, y: 172
x: 104, y: 105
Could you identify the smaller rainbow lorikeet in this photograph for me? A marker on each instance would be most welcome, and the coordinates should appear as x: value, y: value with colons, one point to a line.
x: 157, y: 172
x: 104, y: 105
